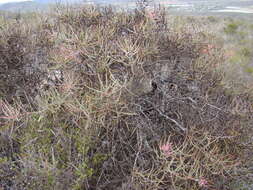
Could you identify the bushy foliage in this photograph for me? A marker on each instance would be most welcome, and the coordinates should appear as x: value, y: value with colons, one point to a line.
x: 122, y: 101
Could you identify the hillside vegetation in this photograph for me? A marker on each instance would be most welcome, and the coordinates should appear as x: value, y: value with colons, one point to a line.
x: 97, y: 99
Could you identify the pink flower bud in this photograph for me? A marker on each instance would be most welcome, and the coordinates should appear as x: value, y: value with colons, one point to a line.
x: 203, y: 182
x: 166, y: 149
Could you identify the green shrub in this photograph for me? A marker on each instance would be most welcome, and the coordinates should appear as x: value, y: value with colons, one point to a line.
x: 246, y: 52
x: 231, y: 28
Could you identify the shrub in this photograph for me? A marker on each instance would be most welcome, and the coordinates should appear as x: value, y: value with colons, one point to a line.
x: 125, y: 101
x: 231, y: 28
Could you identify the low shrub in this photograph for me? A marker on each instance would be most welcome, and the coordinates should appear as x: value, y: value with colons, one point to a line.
x: 124, y: 102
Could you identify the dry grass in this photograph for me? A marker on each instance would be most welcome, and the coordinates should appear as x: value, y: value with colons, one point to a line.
x: 122, y: 101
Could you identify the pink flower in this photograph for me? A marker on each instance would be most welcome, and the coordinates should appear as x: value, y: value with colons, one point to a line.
x: 167, y: 149
x: 203, y: 182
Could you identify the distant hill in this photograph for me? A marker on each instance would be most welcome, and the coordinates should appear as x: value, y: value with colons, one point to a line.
x: 25, y: 6
x: 38, y: 5
x: 35, y: 5
x: 43, y: 1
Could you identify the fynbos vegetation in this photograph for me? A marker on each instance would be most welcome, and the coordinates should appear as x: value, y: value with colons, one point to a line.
x: 93, y: 98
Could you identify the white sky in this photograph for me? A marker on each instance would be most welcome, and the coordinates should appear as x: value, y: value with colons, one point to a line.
x: 10, y: 1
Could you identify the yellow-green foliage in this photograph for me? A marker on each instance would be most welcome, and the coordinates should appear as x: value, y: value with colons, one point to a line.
x: 231, y: 28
